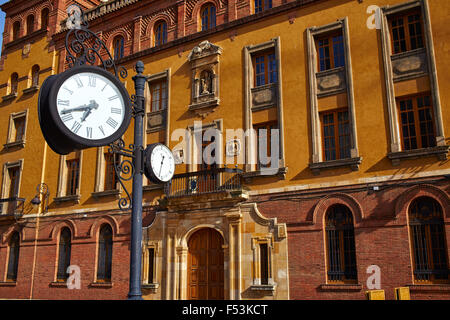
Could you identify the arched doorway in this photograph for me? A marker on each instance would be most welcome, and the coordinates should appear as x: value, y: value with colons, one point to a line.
x: 205, y: 265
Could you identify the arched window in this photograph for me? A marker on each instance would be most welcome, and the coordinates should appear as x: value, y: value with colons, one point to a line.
x: 340, y: 240
x: 30, y: 24
x: 65, y: 246
x: 160, y: 33
x: 105, y: 246
x: 44, y: 18
x: 16, y: 30
x: 14, y: 83
x: 35, y: 75
x: 208, y: 15
x: 13, y: 261
x: 118, y: 47
x: 429, y: 245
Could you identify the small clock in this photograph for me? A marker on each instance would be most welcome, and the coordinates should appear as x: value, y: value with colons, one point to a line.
x: 88, y: 107
x: 159, y: 163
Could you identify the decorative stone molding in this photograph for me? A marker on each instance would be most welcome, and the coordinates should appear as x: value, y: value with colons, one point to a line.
x: 440, y: 152
x: 204, y: 60
x: 322, y: 206
x: 353, y: 163
x: 409, y: 65
x: 331, y: 82
x: 264, y: 97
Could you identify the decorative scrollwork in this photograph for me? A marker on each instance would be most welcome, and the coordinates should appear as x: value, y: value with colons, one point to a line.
x: 84, y: 47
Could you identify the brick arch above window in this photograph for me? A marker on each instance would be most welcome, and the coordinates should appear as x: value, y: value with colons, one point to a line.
x: 193, y: 7
x: 57, y: 228
x: 424, y: 190
x: 94, y: 230
x: 8, y: 234
x: 321, y: 208
x: 150, y: 21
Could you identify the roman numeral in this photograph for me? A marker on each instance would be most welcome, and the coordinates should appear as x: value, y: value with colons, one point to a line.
x: 89, y: 132
x: 70, y: 91
x: 113, y: 98
x: 92, y: 81
x: 76, y: 127
x: 113, y: 123
x: 104, y: 87
x: 116, y: 110
x: 66, y: 117
x: 79, y: 82
x: 64, y: 102
x: 101, y: 129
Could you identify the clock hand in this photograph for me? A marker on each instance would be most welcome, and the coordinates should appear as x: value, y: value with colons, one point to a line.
x: 92, y: 105
x: 160, y: 168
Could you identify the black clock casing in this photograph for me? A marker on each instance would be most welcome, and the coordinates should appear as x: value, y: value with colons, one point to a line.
x: 148, y: 170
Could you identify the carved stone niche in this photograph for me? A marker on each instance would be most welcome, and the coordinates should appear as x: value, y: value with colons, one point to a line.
x: 409, y: 65
x: 204, y: 60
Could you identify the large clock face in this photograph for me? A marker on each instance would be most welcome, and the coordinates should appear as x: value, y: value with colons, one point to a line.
x: 90, y: 105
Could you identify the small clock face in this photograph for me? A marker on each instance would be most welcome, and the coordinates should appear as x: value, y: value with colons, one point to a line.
x: 90, y: 105
x: 162, y: 163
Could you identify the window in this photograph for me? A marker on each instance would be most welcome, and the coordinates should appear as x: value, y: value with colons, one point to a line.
x: 118, y: 47
x: 261, y: 5
x: 428, y: 241
x: 335, y: 134
x: 416, y: 122
x: 330, y: 49
x: 406, y: 32
x: 35, y: 75
x: 158, y: 91
x: 105, y: 246
x: 30, y: 24
x: 160, y: 33
x: 151, y: 265
x: 73, y: 175
x: 16, y: 30
x: 208, y: 15
x: 14, y: 83
x: 13, y: 192
x: 65, y: 246
x: 265, y: 68
x: 340, y: 241
x: 264, y: 263
x: 110, y: 173
x: 44, y: 18
x: 18, y: 130
x: 13, y: 261
x: 260, y: 129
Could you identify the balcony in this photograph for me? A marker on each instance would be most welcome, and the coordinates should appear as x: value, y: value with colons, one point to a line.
x: 204, y: 182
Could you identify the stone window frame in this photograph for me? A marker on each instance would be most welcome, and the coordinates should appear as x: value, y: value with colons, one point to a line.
x: 99, y: 190
x: 152, y: 78
x: 11, y: 130
x: 62, y: 181
x: 250, y: 163
x: 6, y: 183
x: 396, y: 153
x: 146, y: 282
x: 256, y: 242
x: 317, y: 154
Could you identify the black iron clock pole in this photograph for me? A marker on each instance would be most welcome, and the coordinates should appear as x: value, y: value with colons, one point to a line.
x: 136, y: 201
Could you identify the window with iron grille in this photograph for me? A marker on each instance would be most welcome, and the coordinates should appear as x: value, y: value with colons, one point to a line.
x: 335, y: 134
x: 158, y: 92
x: 331, y: 53
x: 340, y: 239
x: 160, y: 33
x: 73, y: 176
x: 428, y: 241
x: 416, y: 122
x: 151, y: 265
x: 208, y: 15
x: 65, y: 246
x: 406, y: 32
x: 265, y: 68
x: 13, y: 261
x: 110, y: 173
x: 261, y: 5
x: 105, y: 246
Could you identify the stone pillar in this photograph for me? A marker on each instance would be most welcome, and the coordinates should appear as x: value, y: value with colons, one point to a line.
x: 232, y: 10
x: 182, y: 254
x: 234, y: 266
x: 137, y: 34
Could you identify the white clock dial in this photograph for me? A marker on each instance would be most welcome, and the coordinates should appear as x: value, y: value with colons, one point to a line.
x: 162, y: 163
x: 90, y: 106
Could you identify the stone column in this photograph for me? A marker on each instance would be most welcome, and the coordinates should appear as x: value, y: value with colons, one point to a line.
x: 234, y: 266
x: 182, y: 253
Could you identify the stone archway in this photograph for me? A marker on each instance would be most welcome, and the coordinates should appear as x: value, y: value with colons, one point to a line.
x: 205, y: 265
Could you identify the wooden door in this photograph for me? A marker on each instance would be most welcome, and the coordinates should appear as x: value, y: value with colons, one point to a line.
x: 208, y: 179
x: 205, y: 266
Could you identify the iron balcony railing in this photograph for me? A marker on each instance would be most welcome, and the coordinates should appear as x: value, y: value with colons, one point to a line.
x: 204, y: 182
